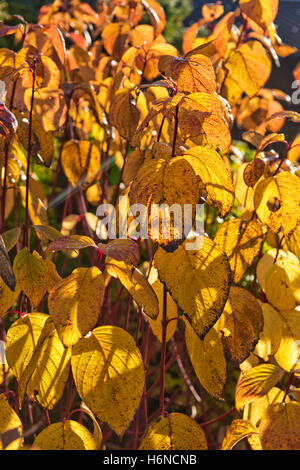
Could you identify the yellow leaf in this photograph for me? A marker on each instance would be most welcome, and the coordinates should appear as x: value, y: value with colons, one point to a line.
x: 294, y: 242
x: 208, y: 360
x: 36, y: 204
x: 7, y: 297
x: 160, y: 181
x: 254, y: 411
x: 271, y: 334
x: 288, y: 353
x: 204, y: 118
x: 41, y: 141
x: 277, y: 202
x: 123, y: 114
x: 280, y: 280
x: 174, y: 432
x: 71, y: 242
x: 214, y: 176
x: 10, y: 237
x: 69, y: 435
x: 11, y: 428
x: 22, y: 338
x: 253, y: 172
x: 73, y: 311
x: 136, y: 284
x: 172, y: 313
x: 244, y: 193
x: 32, y: 275
x: 97, y: 434
x: 247, y: 70
x: 198, y: 281
x: 49, y: 107
x: 241, y: 240
x: 263, y: 12
x: 279, y: 427
x: 255, y: 383
x: 192, y: 74
x: 81, y: 161
x: 240, y: 324
x: 109, y: 375
x: 294, y: 151
x: 49, y: 232
x: 42, y: 367
x: 238, y: 430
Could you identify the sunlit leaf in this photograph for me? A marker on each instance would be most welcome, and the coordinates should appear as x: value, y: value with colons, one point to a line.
x: 73, y: 312
x: 174, y: 432
x: 256, y: 382
x: 11, y: 428
x: 68, y: 435
x: 198, y: 281
x: 109, y: 375
x: 238, y: 430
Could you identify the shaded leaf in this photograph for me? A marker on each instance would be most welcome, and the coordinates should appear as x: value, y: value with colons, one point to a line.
x: 136, y: 284
x: 208, y: 359
x: 240, y: 324
x: 241, y: 240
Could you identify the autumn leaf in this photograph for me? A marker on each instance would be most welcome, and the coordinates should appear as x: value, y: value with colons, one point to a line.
x: 238, y: 430
x: 255, y: 383
x: 240, y: 324
x: 32, y: 275
x: 81, y: 161
x: 192, y: 74
x: 254, y: 411
x: 123, y: 114
x: 277, y: 202
x: 172, y: 312
x: 203, y: 118
x: 71, y: 242
x: 11, y: 429
x: 215, y: 178
x: 136, y: 284
x: 279, y: 276
x: 270, y: 336
x: 73, y: 313
x: 279, y: 427
x: 208, y: 359
x: 198, y: 281
x: 174, y: 432
x: 263, y: 12
x: 241, y: 240
x: 10, y: 237
x: 43, y: 366
x: 248, y: 68
x: 109, y: 355
x: 121, y: 250
x: 288, y: 353
x: 6, y: 270
x: 68, y: 435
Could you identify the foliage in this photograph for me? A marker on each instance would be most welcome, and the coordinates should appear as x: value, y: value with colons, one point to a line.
x: 143, y: 337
